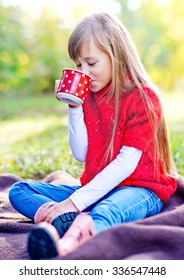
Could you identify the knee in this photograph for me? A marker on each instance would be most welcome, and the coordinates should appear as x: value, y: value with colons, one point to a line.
x: 14, y: 191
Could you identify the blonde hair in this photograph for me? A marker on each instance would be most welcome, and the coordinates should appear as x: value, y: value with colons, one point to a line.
x: 128, y: 72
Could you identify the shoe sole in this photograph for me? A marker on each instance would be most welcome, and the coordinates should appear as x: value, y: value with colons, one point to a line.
x: 41, y: 244
x: 64, y: 221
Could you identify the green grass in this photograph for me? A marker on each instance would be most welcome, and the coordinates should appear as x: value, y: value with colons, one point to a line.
x: 173, y: 107
x: 34, y: 135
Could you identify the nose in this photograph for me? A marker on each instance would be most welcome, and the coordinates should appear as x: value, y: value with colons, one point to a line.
x: 86, y: 70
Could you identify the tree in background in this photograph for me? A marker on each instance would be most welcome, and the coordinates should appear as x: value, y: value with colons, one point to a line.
x: 157, y: 28
x: 33, y: 51
x: 49, y: 53
x: 14, y: 51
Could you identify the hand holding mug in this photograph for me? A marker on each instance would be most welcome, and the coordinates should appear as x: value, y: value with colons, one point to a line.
x: 73, y: 87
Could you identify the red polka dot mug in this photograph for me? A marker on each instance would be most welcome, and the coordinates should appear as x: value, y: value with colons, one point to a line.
x: 73, y: 87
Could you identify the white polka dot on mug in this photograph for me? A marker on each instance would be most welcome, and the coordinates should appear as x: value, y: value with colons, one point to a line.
x: 73, y: 87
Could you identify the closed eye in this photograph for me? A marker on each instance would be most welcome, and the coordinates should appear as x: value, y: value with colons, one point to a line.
x: 91, y: 64
x: 80, y: 65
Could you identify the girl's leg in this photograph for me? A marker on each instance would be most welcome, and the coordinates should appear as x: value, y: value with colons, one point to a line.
x: 44, y: 241
x: 27, y: 197
x: 123, y: 205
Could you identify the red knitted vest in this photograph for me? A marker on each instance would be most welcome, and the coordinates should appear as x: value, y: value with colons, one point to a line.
x: 133, y: 130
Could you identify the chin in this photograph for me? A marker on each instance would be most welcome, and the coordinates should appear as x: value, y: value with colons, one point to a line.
x: 95, y: 88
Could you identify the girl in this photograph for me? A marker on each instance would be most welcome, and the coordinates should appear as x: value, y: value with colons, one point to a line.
x: 120, y: 134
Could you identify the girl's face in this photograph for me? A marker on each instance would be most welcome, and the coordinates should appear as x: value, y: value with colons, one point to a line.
x: 97, y: 64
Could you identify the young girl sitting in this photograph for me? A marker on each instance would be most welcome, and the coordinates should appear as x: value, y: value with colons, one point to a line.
x: 120, y: 134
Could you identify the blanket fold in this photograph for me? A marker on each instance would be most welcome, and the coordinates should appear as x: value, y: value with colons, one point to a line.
x: 160, y: 237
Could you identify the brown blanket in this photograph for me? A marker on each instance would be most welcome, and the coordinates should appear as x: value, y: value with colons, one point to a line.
x: 158, y: 237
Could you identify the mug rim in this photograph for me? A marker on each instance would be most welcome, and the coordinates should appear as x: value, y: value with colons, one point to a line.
x: 78, y: 71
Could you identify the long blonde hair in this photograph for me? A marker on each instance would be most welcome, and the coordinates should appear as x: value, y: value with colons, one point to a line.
x: 128, y: 72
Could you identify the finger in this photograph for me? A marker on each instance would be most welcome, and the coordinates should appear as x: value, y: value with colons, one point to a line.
x: 49, y: 219
x: 47, y: 211
x: 51, y: 213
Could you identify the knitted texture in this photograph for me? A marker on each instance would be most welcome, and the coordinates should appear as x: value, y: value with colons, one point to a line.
x: 134, y: 130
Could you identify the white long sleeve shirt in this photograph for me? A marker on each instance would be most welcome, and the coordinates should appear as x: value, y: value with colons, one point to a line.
x: 113, y: 174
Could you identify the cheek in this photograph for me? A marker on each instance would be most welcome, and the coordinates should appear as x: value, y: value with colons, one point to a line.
x: 108, y: 76
x: 107, y: 71
x: 103, y: 75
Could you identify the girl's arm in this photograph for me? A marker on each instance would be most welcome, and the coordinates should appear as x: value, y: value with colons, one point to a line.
x: 78, y: 138
x: 112, y: 175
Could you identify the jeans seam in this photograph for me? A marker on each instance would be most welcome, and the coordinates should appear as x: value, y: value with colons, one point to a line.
x: 155, y: 204
x: 146, y: 200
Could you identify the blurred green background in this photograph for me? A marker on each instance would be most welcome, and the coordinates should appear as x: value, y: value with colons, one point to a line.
x: 33, y: 53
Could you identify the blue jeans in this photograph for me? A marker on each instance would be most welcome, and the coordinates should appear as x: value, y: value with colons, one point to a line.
x: 121, y: 205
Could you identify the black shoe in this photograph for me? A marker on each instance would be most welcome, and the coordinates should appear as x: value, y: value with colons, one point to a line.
x: 64, y: 221
x: 41, y: 244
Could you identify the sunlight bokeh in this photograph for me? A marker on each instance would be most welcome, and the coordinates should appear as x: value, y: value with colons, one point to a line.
x: 64, y: 9
x: 33, y: 52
